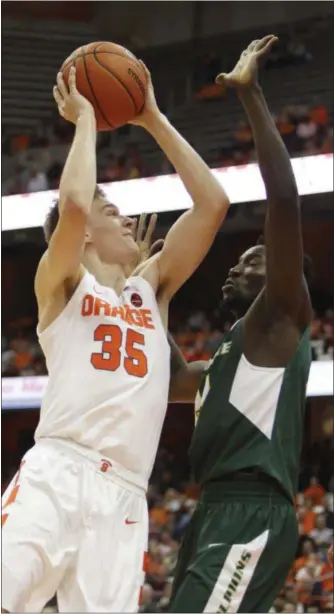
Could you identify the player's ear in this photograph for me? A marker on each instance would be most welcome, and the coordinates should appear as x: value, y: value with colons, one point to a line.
x: 88, y: 237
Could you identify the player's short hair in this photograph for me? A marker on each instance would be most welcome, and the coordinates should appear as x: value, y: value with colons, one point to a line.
x: 52, y: 217
x: 307, y: 262
x: 51, y: 220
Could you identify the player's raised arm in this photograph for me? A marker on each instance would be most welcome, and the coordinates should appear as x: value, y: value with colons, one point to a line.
x: 76, y: 192
x: 192, y: 235
x: 286, y: 293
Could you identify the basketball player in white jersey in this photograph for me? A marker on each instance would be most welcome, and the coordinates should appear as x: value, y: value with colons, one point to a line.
x: 75, y: 516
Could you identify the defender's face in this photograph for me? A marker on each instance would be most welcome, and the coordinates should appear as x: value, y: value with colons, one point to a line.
x: 111, y: 233
x: 246, y: 280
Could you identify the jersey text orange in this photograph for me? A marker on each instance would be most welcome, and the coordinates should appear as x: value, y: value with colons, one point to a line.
x: 92, y: 305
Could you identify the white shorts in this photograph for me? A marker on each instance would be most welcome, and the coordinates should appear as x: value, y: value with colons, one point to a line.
x: 72, y: 525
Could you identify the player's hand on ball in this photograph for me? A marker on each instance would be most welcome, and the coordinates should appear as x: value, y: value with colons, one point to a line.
x: 244, y: 74
x: 144, y: 239
x: 151, y: 108
x: 71, y: 104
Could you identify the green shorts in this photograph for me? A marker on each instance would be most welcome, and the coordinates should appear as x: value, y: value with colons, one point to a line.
x: 237, y: 551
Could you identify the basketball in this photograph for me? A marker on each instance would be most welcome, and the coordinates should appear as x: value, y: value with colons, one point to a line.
x: 112, y: 79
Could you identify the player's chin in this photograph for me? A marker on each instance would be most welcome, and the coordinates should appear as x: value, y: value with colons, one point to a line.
x: 130, y: 246
x: 229, y: 293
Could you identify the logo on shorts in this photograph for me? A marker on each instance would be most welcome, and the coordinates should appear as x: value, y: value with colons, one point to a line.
x: 105, y: 465
x: 136, y: 299
x: 127, y: 521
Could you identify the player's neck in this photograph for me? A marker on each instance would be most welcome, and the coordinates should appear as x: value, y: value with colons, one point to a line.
x: 110, y: 275
x: 240, y: 311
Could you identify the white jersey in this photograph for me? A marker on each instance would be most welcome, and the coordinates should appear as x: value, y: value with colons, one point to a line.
x: 108, y: 363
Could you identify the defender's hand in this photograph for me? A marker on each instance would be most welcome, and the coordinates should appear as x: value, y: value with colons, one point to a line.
x: 151, y: 108
x: 144, y: 239
x: 144, y: 242
x: 71, y: 104
x: 244, y: 74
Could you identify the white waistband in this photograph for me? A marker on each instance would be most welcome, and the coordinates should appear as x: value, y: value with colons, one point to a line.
x: 111, y: 469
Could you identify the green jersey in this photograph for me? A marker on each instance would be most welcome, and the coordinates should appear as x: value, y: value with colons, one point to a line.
x: 250, y: 417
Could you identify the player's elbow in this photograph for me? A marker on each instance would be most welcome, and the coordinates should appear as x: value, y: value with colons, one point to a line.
x: 212, y: 199
x: 216, y: 207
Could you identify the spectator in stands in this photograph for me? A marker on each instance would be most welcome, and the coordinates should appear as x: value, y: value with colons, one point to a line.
x: 316, y: 328
x: 53, y: 174
x: 289, y: 51
x: 328, y: 328
x: 319, y: 113
x: 8, y: 367
x: 41, y: 136
x: 17, y: 183
x: 328, y: 142
x: 243, y: 139
x: 198, y: 337
x: 287, y: 129
x: 37, y: 181
x: 321, y: 534
x: 289, y: 607
x: 134, y: 161
x: 291, y: 597
x: 207, y: 67
x: 113, y: 170
x: 315, y: 492
x: 306, y: 129
x: 147, y: 602
x: 166, y: 167
x: 163, y: 603
x: 20, y: 142
x: 159, y: 513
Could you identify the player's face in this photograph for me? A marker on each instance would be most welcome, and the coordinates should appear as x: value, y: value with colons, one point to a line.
x: 245, y: 280
x: 111, y: 233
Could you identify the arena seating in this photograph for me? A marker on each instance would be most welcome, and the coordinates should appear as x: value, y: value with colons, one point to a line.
x: 31, y: 55
x: 31, y: 64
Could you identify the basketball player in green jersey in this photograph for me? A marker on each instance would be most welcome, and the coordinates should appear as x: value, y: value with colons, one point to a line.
x: 249, y: 409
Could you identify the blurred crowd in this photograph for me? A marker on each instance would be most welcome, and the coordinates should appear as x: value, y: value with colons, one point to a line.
x: 39, y: 162
x: 289, y: 50
x: 198, y: 336
x: 304, y: 130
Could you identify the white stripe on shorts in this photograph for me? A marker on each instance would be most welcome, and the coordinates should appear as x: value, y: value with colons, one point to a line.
x: 235, y: 576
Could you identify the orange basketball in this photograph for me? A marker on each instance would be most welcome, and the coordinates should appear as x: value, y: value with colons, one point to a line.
x: 112, y: 79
